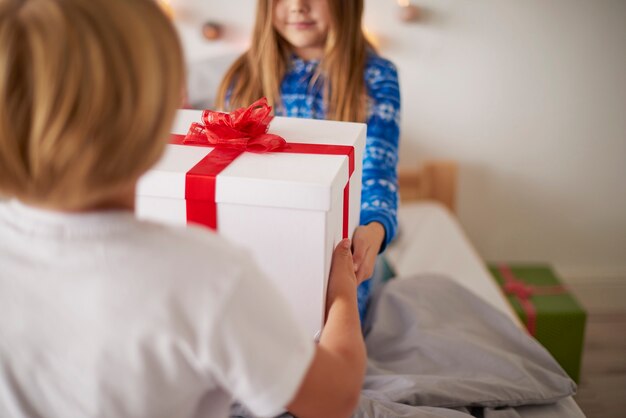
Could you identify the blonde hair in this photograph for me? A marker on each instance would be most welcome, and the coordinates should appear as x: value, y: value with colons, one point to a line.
x: 260, y: 70
x: 88, y: 90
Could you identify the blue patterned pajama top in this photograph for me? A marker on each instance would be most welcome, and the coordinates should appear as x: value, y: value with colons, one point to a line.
x: 379, y: 199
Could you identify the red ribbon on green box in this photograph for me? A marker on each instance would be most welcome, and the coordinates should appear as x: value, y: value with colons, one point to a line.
x: 232, y: 134
x: 523, y: 292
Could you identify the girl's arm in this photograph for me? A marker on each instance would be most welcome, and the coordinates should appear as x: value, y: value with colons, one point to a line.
x: 379, y: 198
x: 332, y: 385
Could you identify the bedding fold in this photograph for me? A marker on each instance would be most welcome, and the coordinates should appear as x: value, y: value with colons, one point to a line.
x: 437, y: 350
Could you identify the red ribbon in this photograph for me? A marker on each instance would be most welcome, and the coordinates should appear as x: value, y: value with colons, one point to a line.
x: 244, y: 130
x: 523, y: 292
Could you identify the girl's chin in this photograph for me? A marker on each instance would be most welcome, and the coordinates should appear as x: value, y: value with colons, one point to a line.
x: 305, y: 42
x: 309, y: 54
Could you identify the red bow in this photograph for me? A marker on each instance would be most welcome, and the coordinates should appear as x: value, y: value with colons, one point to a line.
x: 243, y: 129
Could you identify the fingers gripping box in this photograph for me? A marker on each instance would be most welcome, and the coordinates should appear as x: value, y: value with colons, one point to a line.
x: 289, y: 207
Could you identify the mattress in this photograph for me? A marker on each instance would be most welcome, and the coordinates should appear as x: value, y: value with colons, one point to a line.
x: 430, y: 240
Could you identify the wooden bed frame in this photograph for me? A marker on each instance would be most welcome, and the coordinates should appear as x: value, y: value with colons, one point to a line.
x: 433, y: 180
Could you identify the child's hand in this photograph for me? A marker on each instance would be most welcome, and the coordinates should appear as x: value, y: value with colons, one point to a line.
x: 342, y: 280
x: 332, y: 385
x: 366, y: 243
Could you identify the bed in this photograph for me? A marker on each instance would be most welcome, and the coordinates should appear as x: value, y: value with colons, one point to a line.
x: 431, y: 240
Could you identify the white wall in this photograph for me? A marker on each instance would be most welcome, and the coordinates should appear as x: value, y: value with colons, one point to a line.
x: 528, y: 95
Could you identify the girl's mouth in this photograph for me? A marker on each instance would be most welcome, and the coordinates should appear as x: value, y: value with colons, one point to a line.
x: 302, y: 25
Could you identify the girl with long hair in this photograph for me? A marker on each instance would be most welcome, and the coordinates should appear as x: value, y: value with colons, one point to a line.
x: 311, y: 59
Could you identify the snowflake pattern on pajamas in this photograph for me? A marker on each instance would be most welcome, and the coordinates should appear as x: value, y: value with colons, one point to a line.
x: 303, y: 98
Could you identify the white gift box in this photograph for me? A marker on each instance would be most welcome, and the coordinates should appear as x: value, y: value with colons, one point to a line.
x: 286, y: 208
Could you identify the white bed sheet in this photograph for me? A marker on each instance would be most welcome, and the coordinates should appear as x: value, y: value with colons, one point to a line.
x: 430, y: 240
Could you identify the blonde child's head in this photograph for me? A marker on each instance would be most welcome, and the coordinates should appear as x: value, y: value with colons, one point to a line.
x: 88, y: 90
x: 259, y: 71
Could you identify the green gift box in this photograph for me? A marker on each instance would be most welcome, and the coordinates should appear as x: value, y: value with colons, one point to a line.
x: 549, y: 311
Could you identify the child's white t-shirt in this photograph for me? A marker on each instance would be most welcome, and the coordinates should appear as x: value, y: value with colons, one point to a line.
x: 102, y: 315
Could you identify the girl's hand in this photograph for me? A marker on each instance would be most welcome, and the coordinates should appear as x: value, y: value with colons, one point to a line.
x: 366, y: 243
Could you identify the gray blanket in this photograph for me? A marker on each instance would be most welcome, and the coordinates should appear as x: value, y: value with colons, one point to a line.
x: 437, y: 350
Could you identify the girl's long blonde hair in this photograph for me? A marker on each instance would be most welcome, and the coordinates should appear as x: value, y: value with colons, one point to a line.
x: 259, y: 71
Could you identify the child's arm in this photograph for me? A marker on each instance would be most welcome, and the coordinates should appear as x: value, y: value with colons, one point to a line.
x: 333, y: 382
x: 254, y: 348
x: 379, y: 198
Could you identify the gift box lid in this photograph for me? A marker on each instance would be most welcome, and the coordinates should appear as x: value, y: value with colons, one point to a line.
x: 278, y: 179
